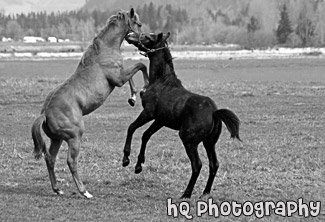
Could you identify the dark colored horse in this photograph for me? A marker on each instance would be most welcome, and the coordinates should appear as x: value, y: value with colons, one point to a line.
x: 169, y: 104
x: 98, y: 73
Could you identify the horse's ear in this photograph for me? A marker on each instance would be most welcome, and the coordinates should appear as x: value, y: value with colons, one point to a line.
x: 159, y: 37
x: 96, y: 45
x: 120, y: 15
x: 131, y: 13
x: 166, y: 36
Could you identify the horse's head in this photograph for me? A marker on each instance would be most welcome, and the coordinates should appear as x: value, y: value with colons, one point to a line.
x: 146, y: 42
x: 122, y: 23
x: 126, y: 21
x: 133, y: 21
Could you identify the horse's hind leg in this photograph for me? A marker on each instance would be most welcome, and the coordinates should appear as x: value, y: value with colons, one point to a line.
x: 50, y: 159
x: 209, y: 146
x: 155, y: 126
x: 73, y: 152
x: 191, y: 150
x: 213, y: 166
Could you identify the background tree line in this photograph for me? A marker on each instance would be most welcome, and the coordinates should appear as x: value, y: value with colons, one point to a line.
x: 83, y: 25
x: 74, y: 25
x: 252, y: 24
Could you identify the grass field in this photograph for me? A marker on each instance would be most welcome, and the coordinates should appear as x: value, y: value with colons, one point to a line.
x: 281, y: 104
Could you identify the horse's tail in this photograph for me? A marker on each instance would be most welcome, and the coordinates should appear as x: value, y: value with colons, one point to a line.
x: 231, y: 121
x: 39, y: 144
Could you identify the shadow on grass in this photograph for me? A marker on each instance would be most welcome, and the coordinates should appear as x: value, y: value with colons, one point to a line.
x: 23, y: 190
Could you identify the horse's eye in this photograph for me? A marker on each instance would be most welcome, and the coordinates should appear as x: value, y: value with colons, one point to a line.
x: 147, y: 37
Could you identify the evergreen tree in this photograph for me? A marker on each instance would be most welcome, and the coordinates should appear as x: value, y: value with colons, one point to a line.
x: 159, y: 18
x: 185, y: 18
x: 144, y: 16
x: 284, y: 28
x: 152, y: 14
x: 253, y: 25
x: 13, y: 30
x: 170, y: 27
x: 305, y: 30
x: 95, y: 15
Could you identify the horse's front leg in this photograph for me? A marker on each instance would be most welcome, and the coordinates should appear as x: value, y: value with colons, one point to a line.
x: 142, y: 119
x: 155, y: 126
x: 127, y: 73
x: 133, y: 97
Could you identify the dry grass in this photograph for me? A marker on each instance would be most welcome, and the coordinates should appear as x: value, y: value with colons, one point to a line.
x: 282, y: 155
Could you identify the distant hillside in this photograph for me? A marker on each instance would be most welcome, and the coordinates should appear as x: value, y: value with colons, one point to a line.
x: 249, y: 23
x: 244, y: 22
x: 195, y: 8
x: 23, y: 6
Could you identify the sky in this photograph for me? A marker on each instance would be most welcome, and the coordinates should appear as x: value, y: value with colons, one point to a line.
x: 25, y: 6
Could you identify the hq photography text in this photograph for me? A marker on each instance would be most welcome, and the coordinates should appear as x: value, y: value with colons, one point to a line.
x: 248, y: 208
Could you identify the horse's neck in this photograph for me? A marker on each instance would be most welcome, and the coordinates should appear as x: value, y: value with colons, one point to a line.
x: 114, y: 36
x: 157, y: 68
x: 161, y: 69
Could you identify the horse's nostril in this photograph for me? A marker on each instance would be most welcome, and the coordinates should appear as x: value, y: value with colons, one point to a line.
x: 130, y: 34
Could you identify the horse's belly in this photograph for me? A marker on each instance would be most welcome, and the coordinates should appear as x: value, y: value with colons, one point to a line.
x: 169, y: 113
x: 92, y: 102
x: 174, y: 126
x: 169, y: 120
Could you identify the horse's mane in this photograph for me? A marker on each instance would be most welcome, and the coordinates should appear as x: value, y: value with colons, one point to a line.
x: 170, y: 78
x: 94, y: 46
x: 111, y: 21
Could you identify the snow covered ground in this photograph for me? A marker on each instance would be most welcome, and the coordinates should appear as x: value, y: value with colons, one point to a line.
x: 185, y: 54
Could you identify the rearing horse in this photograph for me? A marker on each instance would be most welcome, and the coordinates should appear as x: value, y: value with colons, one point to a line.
x: 98, y: 73
x: 169, y: 104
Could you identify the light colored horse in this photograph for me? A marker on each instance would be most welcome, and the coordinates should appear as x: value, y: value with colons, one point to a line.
x: 99, y: 71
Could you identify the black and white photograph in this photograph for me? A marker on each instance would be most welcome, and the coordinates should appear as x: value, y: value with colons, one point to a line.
x: 170, y: 110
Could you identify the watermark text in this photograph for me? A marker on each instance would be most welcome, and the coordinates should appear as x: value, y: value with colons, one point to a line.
x: 259, y: 209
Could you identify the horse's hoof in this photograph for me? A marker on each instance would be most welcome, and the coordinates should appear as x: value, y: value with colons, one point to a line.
x: 125, y: 161
x: 131, y: 102
x: 87, y: 195
x: 59, y: 192
x: 138, y: 169
x: 205, y: 194
x: 142, y: 93
x: 185, y: 196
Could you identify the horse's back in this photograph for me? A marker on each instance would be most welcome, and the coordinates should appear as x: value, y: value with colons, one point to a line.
x: 176, y: 107
x: 180, y: 100
x: 167, y: 105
